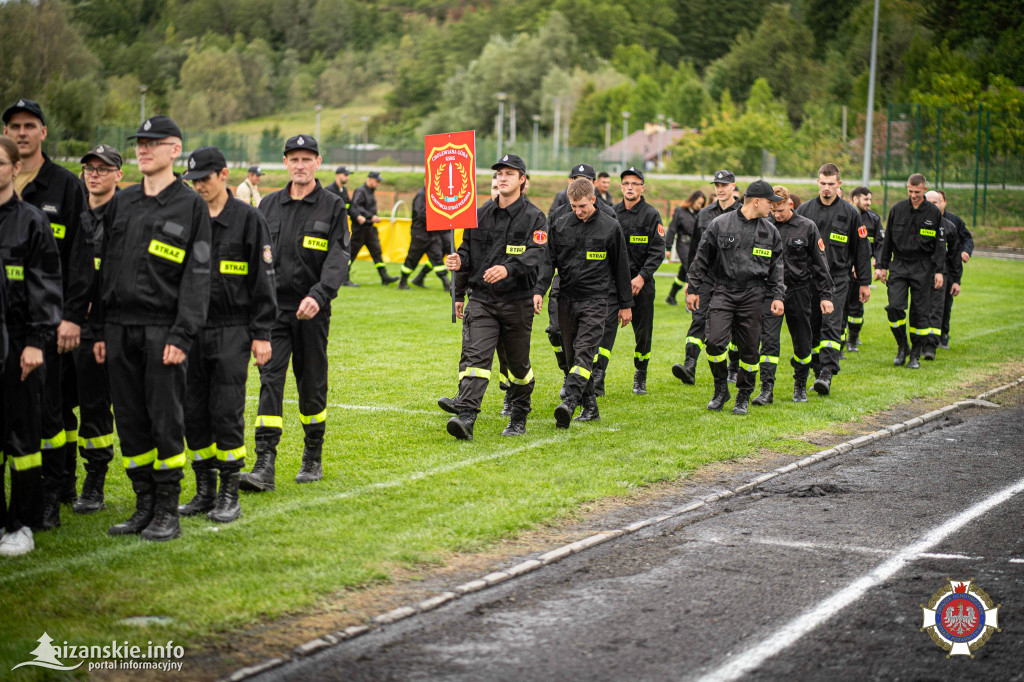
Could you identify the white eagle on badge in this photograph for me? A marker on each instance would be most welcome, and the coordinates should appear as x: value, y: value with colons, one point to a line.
x: 960, y: 622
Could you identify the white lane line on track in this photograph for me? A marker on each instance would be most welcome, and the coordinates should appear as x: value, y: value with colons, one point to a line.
x: 784, y: 637
x: 831, y: 547
x: 1017, y: 561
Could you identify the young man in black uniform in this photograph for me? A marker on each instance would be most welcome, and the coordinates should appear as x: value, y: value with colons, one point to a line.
x: 243, y: 306
x: 501, y: 257
x: 364, y: 216
x: 913, y: 253
x: 804, y: 260
x: 589, y: 251
x: 725, y: 201
x: 744, y: 250
x: 952, y: 273
x: 846, y: 248
x: 680, y: 232
x: 310, y: 243
x: 422, y: 242
x: 32, y: 283
x: 860, y: 197
x: 966, y: 251
x: 59, y: 194
x: 151, y: 300
x: 101, y: 168
x: 645, y: 242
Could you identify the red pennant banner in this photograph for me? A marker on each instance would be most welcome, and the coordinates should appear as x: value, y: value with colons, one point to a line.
x: 450, y: 162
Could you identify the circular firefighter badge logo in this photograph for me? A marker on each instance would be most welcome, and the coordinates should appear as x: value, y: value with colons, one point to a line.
x: 960, y: 618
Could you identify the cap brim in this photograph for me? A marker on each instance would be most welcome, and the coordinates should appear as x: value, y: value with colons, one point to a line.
x: 500, y: 165
x: 775, y: 198
x: 315, y: 150
x: 104, y: 159
x: 198, y: 174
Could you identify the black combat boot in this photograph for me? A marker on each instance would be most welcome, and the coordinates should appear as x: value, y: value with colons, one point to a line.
x: 915, y: 356
x: 312, y: 469
x: 928, y: 351
x: 852, y: 340
x: 91, y: 499
x: 687, y: 372
x: 564, y: 412
x: 461, y: 425
x: 516, y: 425
x: 640, y: 382
x: 51, y: 504
x: 206, y: 489
x: 447, y: 404
x: 445, y: 282
x: 69, y: 485
x: 944, y: 342
x: 506, y: 406
x: 385, y: 278
x: 734, y: 366
x: 165, y: 524
x: 766, y: 396
x: 671, y: 300
x: 742, y: 401
x: 227, y: 509
x: 823, y: 384
x: 800, y: 384
x: 598, y: 378
x: 902, y: 347
x: 145, y: 498
x: 421, y: 276
x: 589, y: 413
x: 721, y: 395
x: 261, y: 478
x: 404, y: 284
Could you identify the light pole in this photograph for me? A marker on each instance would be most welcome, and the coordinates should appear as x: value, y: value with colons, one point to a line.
x: 366, y: 129
x: 142, y: 91
x: 318, y: 108
x: 669, y: 128
x: 536, y: 132
x: 554, y: 135
x: 625, y: 134
x: 866, y: 176
x: 501, y: 118
x: 512, y: 125
x: 661, y: 138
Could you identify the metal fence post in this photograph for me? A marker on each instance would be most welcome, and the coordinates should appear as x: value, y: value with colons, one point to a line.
x: 917, y: 136
x: 938, y: 145
x: 977, y: 165
x: 885, y: 176
x: 984, y: 191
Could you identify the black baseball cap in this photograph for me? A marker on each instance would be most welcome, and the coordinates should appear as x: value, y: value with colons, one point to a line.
x: 723, y: 177
x: 105, y: 153
x: 759, y: 189
x: 632, y: 171
x: 26, y: 105
x: 342, y: 170
x: 307, y: 142
x: 374, y: 175
x: 510, y: 161
x: 204, y: 161
x: 157, y: 128
x: 255, y: 170
x: 583, y: 170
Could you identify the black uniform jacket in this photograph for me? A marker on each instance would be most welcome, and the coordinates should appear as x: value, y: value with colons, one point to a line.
x: 591, y: 258
x: 515, y: 237
x: 645, y: 237
x: 59, y: 194
x: 846, y: 238
x: 740, y: 254
x: 546, y: 276
x: 913, y: 234
x: 804, y: 255
x: 364, y: 203
x: 965, y: 236
x: 680, y: 229
x: 704, y: 218
x: 953, y: 268
x: 876, y: 233
x: 31, y: 263
x: 243, y: 290
x: 155, y: 262
x: 341, y: 192
x: 85, y: 266
x: 310, y: 241
x: 561, y: 199
x: 419, y: 211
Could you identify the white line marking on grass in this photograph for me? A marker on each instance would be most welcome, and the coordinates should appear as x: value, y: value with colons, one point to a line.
x: 789, y: 633
x: 365, y: 408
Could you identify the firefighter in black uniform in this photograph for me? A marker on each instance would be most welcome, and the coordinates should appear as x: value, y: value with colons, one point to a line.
x: 101, y: 167
x: 59, y: 194
x: 645, y: 240
x: 846, y: 247
x: 310, y: 243
x: 151, y: 301
x: 589, y: 251
x: 31, y: 262
x: 804, y: 259
x: 243, y: 306
x: 860, y: 197
x: 952, y: 273
x: 966, y: 251
x: 680, y: 232
x: 501, y: 257
x: 725, y: 201
x: 423, y: 242
x: 911, y: 263
x: 744, y: 250
x: 338, y: 187
x: 364, y: 225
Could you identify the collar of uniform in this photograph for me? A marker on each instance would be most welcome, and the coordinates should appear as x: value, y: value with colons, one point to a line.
x: 636, y: 207
x: 286, y: 193
x: 42, y: 178
x: 226, y: 213
x: 168, y: 192
x: 10, y: 203
x: 512, y: 209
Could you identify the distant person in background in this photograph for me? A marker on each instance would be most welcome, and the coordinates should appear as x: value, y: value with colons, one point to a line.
x: 966, y: 250
x: 796, y: 201
x: 364, y: 225
x: 422, y: 242
x: 338, y: 188
x: 953, y: 270
x: 249, y: 191
x: 860, y: 197
x: 680, y: 231
x: 603, y: 184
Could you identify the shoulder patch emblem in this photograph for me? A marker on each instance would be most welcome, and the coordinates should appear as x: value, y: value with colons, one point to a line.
x: 862, y: 231
x: 540, y: 237
x: 821, y: 244
x: 661, y: 230
x: 268, y: 254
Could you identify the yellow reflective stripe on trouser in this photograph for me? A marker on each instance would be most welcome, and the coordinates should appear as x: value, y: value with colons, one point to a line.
x: 522, y: 382
x: 579, y: 370
x: 144, y: 459
x: 829, y: 344
x: 897, y: 323
x: 803, y: 361
x: 209, y: 452
x: 175, y: 462
x: 749, y: 368
x: 773, y: 359
x: 96, y: 442
x: 379, y: 265
x: 732, y: 347
x: 231, y: 455
x: 56, y: 441
x: 605, y: 352
x: 71, y: 436
x: 502, y: 378
x: 854, y: 320
x: 439, y: 268
x: 557, y: 349
x: 680, y: 282
x: 269, y: 421
x: 918, y: 332
x: 318, y: 418
x: 406, y: 270
x: 475, y: 373
x: 930, y: 330
x: 641, y: 356
x: 695, y: 341
x: 719, y: 358
x: 26, y: 462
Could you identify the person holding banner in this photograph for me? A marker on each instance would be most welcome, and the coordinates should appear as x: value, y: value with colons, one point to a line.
x: 501, y: 258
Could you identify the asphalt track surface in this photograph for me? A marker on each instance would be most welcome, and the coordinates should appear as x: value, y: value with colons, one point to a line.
x: 817, y: 575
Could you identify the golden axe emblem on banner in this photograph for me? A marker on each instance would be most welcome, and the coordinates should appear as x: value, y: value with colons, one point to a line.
x: 450, y: 179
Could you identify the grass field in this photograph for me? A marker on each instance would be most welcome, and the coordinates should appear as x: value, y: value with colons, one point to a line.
x: 399, y: 492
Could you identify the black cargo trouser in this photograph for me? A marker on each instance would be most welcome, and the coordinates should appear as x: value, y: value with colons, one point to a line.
x: 695, y: 336
x: 916, y: 278
x: 58, y: 421
x: 148, y: 399
x: 643, y: 328
x: 854, y: 309
x: 96, y: 431
x: 735, y: 314
x: 827, y: 330
x: 508, y: 323
x: 304, y: 343
x: 947, y: 306
x: 366, y: 235
x: 20, y: 426
x: 215, y: 397
x: 938, y: 306
x: 582, y: 324
x: 423, y: 242
x: 798, y: 320
x: 554, y: 333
